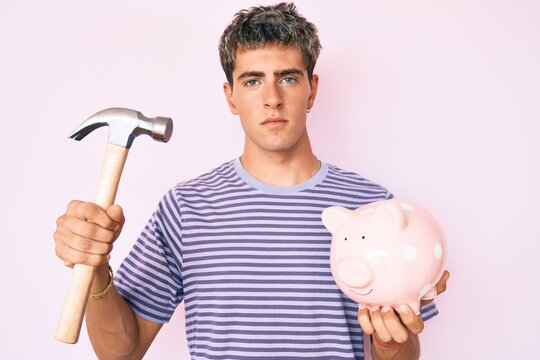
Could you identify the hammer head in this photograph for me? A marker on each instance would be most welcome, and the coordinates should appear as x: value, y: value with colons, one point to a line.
x: 125, y: 125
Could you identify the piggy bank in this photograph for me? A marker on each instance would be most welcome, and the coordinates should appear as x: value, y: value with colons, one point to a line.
x: 386, y: 253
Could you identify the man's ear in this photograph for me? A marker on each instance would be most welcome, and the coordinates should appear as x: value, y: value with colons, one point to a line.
x: 227, y: 89
x: 313, y: 93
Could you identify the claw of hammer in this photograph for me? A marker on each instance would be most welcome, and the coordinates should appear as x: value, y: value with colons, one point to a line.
x: 125, y: 125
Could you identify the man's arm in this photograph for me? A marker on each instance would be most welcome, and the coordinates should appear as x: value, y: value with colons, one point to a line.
x: 85, y: 235
x: 114, y: 330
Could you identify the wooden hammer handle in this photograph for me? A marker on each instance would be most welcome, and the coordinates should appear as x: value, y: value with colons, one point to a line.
x: 69, y: 325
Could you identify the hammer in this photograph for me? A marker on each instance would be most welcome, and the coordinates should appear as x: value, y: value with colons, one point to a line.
x: 124, y: 126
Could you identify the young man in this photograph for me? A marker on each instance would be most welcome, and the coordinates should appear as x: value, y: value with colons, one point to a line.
x: 243, y: 245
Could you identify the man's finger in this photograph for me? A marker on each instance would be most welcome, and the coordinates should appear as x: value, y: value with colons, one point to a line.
x: 413, y: 322
x: 85, y: 245
x: 440, y: 287
x: 116, y: 213
x: 92, y: 212
x: 378, y: 324
x: 76, y: 257
x: 89, y: 230
x: 397, y: 330
x: 364, y: 320
x: 441, y: 284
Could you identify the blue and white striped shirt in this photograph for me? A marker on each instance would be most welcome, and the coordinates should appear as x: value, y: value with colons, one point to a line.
x: 251, y: 262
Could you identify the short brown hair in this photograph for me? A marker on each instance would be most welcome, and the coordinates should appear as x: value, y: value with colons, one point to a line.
x: 276, y: 24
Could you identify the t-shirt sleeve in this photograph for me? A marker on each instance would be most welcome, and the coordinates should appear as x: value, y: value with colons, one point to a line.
x: 428, y: 311
x: 149, y: 278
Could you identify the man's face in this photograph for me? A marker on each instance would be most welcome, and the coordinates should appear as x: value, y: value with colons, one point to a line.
x: 271, y: 93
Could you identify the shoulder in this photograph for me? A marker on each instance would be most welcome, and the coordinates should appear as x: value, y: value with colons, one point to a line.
x: 200, y: 188
x: 208, y: 180
x: 355, y: 182
x: 217, y: 180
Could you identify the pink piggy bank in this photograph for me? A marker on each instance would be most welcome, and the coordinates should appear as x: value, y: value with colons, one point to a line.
x: 386, y: 253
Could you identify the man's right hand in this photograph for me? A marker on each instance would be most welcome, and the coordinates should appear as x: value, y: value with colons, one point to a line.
x: 85, y: 233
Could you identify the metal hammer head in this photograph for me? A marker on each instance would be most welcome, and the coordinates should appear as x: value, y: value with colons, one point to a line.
x: 125, y: 125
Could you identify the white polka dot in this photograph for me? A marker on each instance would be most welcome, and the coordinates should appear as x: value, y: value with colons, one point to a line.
x: 409, y: 252
x: 437, y: 250
x: 425, y: 289
x: 406, y: 206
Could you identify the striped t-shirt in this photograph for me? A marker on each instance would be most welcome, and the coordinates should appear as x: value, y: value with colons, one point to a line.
x: 251, y: 263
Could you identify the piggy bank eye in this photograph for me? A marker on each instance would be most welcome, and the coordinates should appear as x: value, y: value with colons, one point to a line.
x: 363, y: 237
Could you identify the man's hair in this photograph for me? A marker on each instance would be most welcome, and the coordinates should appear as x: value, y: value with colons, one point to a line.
x: 256, y: 27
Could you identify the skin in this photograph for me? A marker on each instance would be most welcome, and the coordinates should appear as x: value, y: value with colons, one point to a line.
x: 269, y: 83
x: 396, y: 328
x: 85, y: 235
x: 272, y: 82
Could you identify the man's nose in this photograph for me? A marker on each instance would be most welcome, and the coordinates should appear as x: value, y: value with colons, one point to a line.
x: 273, y: 97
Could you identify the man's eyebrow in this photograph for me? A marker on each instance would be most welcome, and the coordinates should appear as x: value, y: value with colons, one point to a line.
x: 246, y: 74
x: 292, y: 71
x: 289, y: 72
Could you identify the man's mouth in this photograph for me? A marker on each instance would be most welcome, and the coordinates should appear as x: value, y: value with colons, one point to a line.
x: 357, y: 293
x: 274, y: 121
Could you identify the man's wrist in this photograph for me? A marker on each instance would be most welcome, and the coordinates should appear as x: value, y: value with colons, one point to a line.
x: 104, y: 292
x: 385, y: 344
x: 101, y: 278
x: 408, y: 350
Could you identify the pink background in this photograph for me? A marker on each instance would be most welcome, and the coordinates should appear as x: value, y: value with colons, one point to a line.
x: 437, y: 100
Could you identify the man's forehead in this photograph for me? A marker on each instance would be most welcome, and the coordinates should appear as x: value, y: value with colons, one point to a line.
x: 270, y: 57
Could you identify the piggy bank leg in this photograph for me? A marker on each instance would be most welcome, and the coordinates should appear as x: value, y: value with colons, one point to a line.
x: 415, y: 306
x: 430, y: 295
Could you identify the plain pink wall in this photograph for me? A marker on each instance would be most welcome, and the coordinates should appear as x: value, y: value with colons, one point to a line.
x: 438, y: 101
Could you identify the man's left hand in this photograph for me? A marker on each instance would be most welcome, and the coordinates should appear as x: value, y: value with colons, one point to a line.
x: 392, y: 327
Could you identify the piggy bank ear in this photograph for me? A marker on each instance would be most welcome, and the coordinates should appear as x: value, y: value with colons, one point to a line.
x: 334, y: 216
x: 389, y: 216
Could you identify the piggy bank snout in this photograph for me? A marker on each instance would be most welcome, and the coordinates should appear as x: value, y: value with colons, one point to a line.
x: 354, y: 272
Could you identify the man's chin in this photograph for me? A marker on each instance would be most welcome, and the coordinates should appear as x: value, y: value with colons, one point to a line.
x: 277, y: 148
x: 274, y: 144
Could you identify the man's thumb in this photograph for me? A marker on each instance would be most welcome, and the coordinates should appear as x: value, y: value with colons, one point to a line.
x: 116, y: 213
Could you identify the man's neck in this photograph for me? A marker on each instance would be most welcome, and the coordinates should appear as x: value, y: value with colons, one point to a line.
x: 284, y: 168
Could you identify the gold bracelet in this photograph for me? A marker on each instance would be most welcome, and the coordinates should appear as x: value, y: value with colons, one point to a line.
x: 102, y: 294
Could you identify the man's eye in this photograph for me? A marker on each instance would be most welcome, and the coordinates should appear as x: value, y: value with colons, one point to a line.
x: 288, y: 80
x: 251, y: 83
